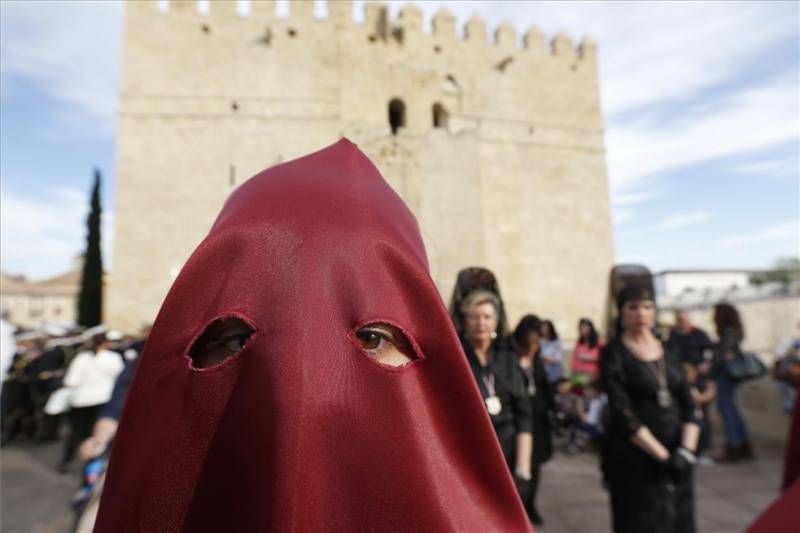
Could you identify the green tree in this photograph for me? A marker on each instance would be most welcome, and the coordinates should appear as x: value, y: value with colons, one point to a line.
x: 784, y: 270
x: 90, y: 298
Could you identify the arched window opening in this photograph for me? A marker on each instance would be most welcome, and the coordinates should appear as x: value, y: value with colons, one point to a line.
x: 440, y: 116
x: 397, y: 114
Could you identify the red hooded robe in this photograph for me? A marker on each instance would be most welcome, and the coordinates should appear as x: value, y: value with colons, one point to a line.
x: 783, y: 514
x: 300, y: 430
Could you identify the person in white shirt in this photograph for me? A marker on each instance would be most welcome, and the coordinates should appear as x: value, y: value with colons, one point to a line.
x: 7, y: 346
x: 90, y: 379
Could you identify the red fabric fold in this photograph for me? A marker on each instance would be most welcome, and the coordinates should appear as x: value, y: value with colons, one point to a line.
x: 782, y: 515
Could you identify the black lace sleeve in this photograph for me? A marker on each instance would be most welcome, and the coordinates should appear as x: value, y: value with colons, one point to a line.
x: 614, y: 381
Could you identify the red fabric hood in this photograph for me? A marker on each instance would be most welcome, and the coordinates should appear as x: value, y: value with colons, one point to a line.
x: 301, y: 431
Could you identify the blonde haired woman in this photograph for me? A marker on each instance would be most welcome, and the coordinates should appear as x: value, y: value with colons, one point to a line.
x: 500, y: 381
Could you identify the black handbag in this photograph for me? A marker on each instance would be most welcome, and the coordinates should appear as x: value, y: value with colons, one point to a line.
x: 745, y: 366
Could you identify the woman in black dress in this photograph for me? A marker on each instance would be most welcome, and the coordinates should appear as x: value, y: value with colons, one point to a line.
x: 652, y: 433
x: 526, y: 344
x: 500, y: 382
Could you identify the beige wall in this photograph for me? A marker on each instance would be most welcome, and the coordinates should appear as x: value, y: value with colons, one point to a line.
x: 517, y: 182
x: 31, y: 310
x: 766, y: 322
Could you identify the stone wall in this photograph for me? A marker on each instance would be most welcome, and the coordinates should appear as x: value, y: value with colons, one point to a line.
x: 514, y: 179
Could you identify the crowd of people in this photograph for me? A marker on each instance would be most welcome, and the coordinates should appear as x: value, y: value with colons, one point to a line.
x: 68, y: 384
x: 62, y: 377
x: 641, y: 401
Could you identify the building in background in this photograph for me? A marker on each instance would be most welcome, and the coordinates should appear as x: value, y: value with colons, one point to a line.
x: 496, y: 144
x: 705, y: 287
x: 33, y: 303
x: 674, y: 283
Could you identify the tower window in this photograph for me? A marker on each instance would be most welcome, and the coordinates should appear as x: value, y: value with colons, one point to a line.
x: 440, y: 116
x: 397, y: 114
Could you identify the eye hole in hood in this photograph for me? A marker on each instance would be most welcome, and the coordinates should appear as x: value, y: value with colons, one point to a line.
x: 221, y: 340
x: 385, y: 344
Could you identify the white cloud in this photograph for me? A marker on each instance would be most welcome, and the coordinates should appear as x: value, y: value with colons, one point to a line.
x: 71, y: 51
x: 768, y: 168
x: 629, y: 198
x: 786, y: 234
x: 684, y: 219
x: 620, y: 216
x: 747, y: 121
x: 42, y: 237
x: 681, y: 49
x: 672, y: 222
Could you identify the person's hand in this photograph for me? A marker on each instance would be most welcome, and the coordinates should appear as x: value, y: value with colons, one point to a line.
x: 522, y: 481
x: 662, y: 455
x: 680, y: 462
x: 91, y: 448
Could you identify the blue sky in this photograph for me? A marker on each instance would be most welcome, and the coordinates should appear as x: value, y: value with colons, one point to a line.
x: 701, y: 102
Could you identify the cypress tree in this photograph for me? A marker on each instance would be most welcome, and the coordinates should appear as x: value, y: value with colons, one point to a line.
x: 90, y: 299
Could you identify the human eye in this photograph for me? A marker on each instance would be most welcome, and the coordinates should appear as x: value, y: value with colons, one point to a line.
x: 234, y: 342
x: 385, y: 344
x: 221, y: 339
x: 372, y: 338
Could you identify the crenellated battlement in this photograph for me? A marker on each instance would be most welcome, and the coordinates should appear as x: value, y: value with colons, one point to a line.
x: 493, y: 136
x: 404, y: 30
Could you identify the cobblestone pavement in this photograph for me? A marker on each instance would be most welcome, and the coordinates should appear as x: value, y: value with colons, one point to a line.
x: 35, y: 497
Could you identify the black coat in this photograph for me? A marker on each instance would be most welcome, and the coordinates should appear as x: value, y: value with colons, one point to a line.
x: 645, y: 495
x: 515, y: 416
x: 689, y: 346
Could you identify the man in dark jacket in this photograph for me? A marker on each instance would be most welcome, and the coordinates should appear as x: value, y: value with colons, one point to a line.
x: 690, y: 342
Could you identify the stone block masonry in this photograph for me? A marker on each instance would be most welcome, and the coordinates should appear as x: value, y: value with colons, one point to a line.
x: 496, y: 145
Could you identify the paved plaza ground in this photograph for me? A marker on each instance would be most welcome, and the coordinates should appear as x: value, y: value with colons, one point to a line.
x: 34, y: 496
x: 729, y: 497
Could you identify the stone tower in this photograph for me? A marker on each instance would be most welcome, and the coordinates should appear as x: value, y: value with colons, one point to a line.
x: 497, y: 149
